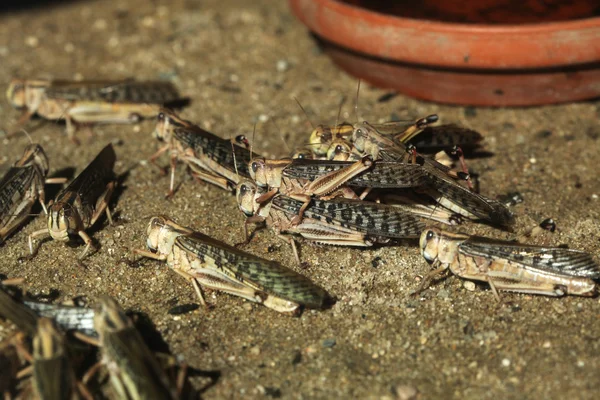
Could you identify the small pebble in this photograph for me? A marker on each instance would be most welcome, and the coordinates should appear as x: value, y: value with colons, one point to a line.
x: 469, y: 285
x: 329, y: 343
x: 547, y: 344
x: 255, y: 350
x: 32, y: 41
x: 506, y: 362
x: 282, y: 65
x: 405, y: 392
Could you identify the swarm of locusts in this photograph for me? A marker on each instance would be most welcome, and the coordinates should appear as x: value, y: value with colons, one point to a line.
x: 354, y: 184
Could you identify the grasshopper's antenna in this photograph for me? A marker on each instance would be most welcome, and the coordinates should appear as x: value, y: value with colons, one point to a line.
x: 27, y: 134
x: 237, y: 175
x: 305, y: 113
x: 280, y: 135
x: 356, y: 102
x: 252, y: 142
x: 337, y: 119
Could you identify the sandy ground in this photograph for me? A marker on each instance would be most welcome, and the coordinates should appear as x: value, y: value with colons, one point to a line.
x: 243, y: 62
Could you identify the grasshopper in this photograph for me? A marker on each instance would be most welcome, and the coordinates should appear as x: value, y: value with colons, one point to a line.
x: 443, y: 186
x: 90, y: 102
x: 272, y: 175
x: 323, y: 136
x: 53, y: 376
x: 21, y: 187
x: 134, y: 371
x: 207, y: 262
x: 509, y: 266
x: 82, y: 202
x: 340, y: 222
x: 210, y: 158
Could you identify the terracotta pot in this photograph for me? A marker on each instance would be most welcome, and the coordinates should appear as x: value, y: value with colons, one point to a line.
x: 551, y: 56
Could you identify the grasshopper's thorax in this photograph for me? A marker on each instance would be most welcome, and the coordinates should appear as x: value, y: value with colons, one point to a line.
x: 162, y: 233
x: 63, y: 219
x: 339, y: 150
x: 34, y: 155
x: 245, y: 194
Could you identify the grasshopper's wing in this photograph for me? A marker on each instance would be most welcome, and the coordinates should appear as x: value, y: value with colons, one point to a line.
x: 68, y: 318
x: 17, y: 312
x: 478, y: 205
x: 435, y: 138
x: 138, y: 367
x: 387, y: 175
x: 264, y: 275
x: 555, y: 260
x: 13, y: 186
x: 217, y: 149
x: 374, y: 219
x: 92, y: 181
x: 126, y: 91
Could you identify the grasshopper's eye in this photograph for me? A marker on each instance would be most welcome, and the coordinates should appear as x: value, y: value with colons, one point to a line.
x: 429, y: 235
x: 161, y: 116
x: 339, y: 149
x: 243, y: 190
x: 254, y: 166
x: 359, y: 131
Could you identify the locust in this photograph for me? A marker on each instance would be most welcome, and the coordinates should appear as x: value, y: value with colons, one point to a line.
x: 509, y: 266
x: 210, y: 158
x: 134, y: 371
x: 51, y: 370
x: 444, y: 184
x: 419, y: 133
x: 90, y: 102
x: 21, y: 187
x: 209, y: 263
x: 81, y: 203
x: 341, y: 222
x: 275, y: 177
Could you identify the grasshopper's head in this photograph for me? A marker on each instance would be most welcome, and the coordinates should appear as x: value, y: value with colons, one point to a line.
x: 339, y: 150
x: 16, y: 93
x: 163, y: 128
x: 34, y: 155
x: 63, y: 219
x: 245, y: 194
x: 110, y: 317
x: 162, y: 233
x: 304, y: 153
x: 360, y: 136
x: 48, y: 342
x: 429, y: 244
x: 259, y: 171
x: 320, y: 139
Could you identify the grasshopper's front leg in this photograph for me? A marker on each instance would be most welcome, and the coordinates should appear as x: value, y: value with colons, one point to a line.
x: 32, y: 253
x: 88, y: 244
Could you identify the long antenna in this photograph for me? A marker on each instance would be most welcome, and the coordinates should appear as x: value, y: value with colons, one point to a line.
x: 356, y: 103
x: 337, y: 119
x: 280, y: 135
x: 305, y: 113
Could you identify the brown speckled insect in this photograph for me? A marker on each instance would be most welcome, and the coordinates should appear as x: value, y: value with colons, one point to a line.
x: 509, y: 266
x: 21, y: 187
x: 210, y: 158
x: 90, y: 102
x: 209, y: 263
x: 340, y: 222
x: 81, y: 203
